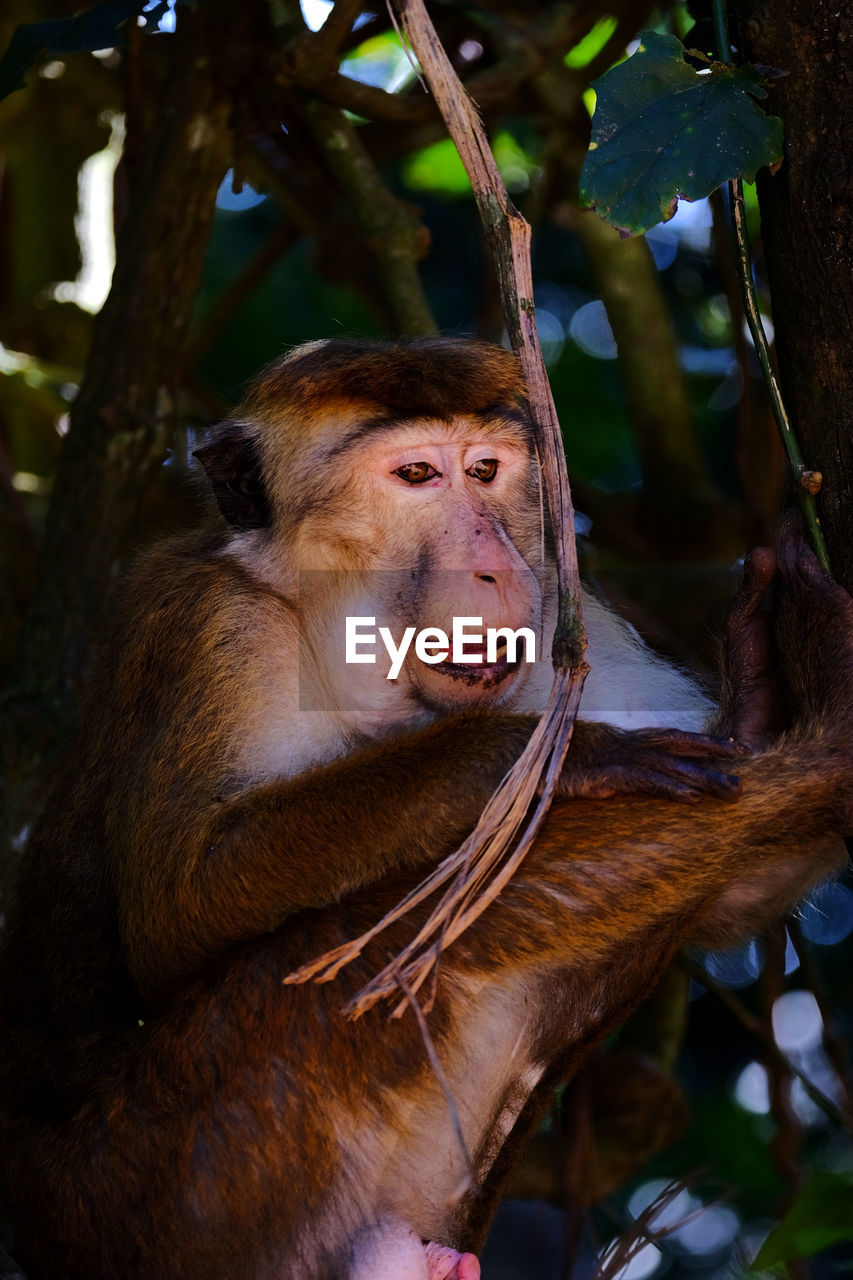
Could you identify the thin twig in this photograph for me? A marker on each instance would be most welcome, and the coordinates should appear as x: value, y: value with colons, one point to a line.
x: 217, y: 317
x: 438, y: 1072
x: 787, y: 1140
x: 641, y: 1231
x: 410, y: 57
x: 760, y: 456
x: 369, y: 100
x: 807, y: 482
x: 834, y: 1043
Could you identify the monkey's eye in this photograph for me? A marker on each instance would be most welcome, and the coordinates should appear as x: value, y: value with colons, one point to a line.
x: 416, y: 472
x: 484, y: 469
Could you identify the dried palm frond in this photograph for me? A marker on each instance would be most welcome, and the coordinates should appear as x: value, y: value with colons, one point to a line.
x: 477, y: 872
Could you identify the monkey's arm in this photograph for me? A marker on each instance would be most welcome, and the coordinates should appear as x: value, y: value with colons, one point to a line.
x: 198, y: 874
x: 634, y: 870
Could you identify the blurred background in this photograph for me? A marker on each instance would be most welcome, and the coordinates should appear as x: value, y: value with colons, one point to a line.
x: 319, y: 196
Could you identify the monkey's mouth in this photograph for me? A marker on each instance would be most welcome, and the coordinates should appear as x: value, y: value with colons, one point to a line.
x: 482, y: 673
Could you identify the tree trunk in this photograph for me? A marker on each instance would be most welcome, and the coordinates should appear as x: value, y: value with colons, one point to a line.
x: 120, y: 423
x: 807, y: 221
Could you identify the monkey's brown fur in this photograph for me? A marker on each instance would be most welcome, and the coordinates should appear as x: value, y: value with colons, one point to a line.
x: 168, y: 1107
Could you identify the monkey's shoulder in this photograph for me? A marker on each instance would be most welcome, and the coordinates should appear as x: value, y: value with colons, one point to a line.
x: 177, y: 673
x: 187, y: 610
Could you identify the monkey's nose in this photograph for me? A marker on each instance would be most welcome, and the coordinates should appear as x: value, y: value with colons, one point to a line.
x: 509, y: 590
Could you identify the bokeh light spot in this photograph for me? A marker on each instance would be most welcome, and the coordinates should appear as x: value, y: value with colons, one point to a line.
x: 797, y: 1024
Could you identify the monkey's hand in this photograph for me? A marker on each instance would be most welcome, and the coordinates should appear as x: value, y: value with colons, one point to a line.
x: 814, y: 642
x: 604, y: 762
x: 788, y: 666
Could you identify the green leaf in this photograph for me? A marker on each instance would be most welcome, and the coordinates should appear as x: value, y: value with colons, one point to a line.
x: 437, y: 167
x: 96, y: 28
x: 822, y: 1215
x: 593, y: 42
x: 663, y: 132
x: 381, y: 61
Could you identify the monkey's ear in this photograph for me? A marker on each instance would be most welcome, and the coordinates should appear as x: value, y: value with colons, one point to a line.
x: 234, y: 471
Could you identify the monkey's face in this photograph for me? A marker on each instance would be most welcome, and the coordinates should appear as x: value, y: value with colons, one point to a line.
x: 431, y: 522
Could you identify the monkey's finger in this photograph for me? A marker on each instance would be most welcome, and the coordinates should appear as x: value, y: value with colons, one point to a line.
x: 724, y: 786
x: 674, y: 780
x: 790, y: 542
x: 759, y: 570
x: 663, y: 786
x: 808, y: 590
x: 699, y: 746
x: 799, y: 563
x: 750, y: 692
x: 832, y: 592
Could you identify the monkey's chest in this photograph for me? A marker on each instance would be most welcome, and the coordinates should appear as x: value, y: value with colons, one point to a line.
x: 445, y: 1134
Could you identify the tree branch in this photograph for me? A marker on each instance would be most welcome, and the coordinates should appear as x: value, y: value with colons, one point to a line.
x: 658, y: 407
x: 395, y: 238
x: 370, y: 101
x: 807, y: 482
x: 326, y: 43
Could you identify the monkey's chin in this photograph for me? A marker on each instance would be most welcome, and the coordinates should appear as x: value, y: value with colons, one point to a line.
x: 452, y: 685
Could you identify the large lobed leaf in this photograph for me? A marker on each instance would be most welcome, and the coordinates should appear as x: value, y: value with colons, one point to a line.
x: 664, y: 132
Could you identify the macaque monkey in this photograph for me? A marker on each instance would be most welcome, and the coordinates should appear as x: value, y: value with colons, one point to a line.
x: 241, y: 799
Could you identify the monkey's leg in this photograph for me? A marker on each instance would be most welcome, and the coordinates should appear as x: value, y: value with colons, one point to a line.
x: 752, y: 703
x: 775, y: 668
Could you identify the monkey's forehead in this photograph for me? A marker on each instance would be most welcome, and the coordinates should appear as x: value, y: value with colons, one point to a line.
x: 425, y: 377
x: 498, y: 423
x: 342, y: 429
